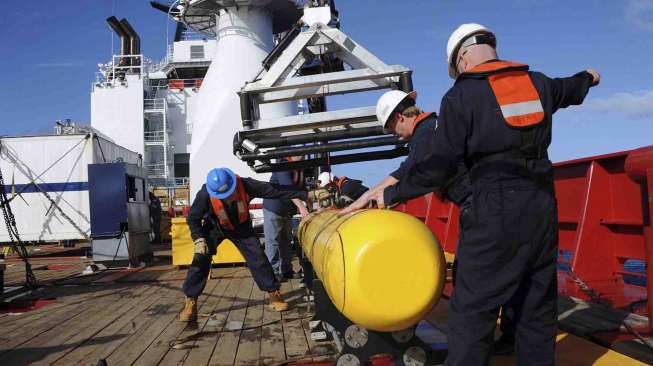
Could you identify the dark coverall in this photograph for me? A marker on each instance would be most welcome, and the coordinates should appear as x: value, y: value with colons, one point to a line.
x: 155, y: 217
x: 204, y: 224
x: 419, y: 145
x: 350, y: 190
x: 458, y: 190
x: 509, y: 236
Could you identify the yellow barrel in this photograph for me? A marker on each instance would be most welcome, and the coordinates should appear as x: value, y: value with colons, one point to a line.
x: 384, y: 270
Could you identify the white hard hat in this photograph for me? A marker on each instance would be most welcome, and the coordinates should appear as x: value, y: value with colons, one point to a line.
x: 389, y: 102
x: 457, y: 38
x: 324, y: 178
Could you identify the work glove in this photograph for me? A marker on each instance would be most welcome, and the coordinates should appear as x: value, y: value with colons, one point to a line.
x: 201, y: 247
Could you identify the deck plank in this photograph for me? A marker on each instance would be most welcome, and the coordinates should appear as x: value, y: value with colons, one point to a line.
x: 149, y: 344
x: 249, y: 349
x: 306, y: 312
x: 132, y: 320
x: 202, y: 349
x: 110, y: 334
x: 121, y: 332
x: 227, y: 346
x: 65, y: 297
x: 55, y: 339
x: 272, y: 345
x: 293, y: 333
x: 32, y: 329
x: 95, y: 323
x: 191, y: 331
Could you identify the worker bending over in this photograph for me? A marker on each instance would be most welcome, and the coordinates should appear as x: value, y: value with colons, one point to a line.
x: 409, y: 123
x: 221, y: 211
x: 348, y: 190
x: 497, y: 119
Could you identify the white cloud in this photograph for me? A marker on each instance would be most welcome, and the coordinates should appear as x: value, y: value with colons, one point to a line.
x: 635, y: 105
x: 640, y: 13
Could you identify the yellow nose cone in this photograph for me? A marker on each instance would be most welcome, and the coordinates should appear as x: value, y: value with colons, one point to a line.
x: 384, y: 270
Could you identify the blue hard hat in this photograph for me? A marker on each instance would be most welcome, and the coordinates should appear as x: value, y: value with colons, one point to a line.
x: 221, y: 183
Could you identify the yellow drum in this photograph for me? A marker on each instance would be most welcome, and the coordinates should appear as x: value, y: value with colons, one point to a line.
x: 384, y: 270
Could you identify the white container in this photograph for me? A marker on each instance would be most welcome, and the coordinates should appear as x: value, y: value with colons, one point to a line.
x: 56, y: 165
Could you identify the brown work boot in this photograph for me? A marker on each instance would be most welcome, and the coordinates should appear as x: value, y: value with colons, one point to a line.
x: 276, y: 301
x: 189, y: 314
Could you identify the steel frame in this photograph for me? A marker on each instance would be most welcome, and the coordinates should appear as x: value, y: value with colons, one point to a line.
x: 282, y: 81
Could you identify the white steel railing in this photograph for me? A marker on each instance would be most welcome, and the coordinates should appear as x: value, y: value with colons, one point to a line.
x: 177, y: 182
x: 165, y: 61
x: 154, y: 104
x: 155, y: 136
x: 114, y: 72
x: 157, y: 170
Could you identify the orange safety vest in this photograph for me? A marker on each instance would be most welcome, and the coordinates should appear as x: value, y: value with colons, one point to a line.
x: 514, y: 91
x: 242, y: 203
x: 421, y: 117
x: 339, y: 183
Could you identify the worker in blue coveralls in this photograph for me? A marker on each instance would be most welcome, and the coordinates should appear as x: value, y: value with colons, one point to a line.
x: 277, y: 222
x: 221, y: 211
x: 497, y: 120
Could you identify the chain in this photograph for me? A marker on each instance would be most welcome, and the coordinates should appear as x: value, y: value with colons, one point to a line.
x: 14, y: 237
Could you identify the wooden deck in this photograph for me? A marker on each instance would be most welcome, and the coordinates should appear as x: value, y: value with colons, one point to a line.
x: 129, y: 318
x: 132, y: 320
x: 49, y: 263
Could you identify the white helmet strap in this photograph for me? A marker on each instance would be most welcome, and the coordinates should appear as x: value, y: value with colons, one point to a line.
x: 479, y: 38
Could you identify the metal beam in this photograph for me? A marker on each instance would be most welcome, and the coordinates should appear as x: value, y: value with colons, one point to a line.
x: 287, y: 57
x: 332, y: 160
x: 314, y: 137
x: 313, y: 120
x: 358, y: 53
x: 329, y: 78
x: 322, y: 148
x: 326, y: 90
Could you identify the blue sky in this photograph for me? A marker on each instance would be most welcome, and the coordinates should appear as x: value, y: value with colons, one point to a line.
x: 50, y: 54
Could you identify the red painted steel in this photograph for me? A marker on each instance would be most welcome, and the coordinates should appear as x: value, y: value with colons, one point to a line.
x: 24, y: 306
x: 604, y: 207
x: 441, y: 216
x: 175, y: 84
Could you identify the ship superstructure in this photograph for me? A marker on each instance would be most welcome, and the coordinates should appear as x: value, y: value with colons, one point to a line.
x: 149, y: 107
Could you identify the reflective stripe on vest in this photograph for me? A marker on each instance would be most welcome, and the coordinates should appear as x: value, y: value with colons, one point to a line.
x: 242, y: 205
x: 514, y: 91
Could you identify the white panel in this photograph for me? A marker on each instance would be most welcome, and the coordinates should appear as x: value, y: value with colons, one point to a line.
x: 53, y: 159
x: 244, y: 39
x: 107, y: 152
x: 56, y: 159
x: 39, y: 222
x: 117, y: 112
x: 178, y: 113
x: 60, y: 157
x: 182, y: 50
